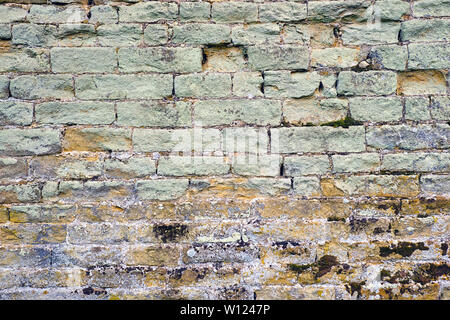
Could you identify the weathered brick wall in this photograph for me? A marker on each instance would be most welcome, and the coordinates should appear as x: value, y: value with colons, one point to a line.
x: 241, y: 149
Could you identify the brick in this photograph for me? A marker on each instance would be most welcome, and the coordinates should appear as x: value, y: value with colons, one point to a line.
x: 155, y: 34
x: 195, y: 11
x: 75, y: 112
x: 12, y: 14
x: 56, y: 14
x: 417, y: 108
x: 76, y: 35
x: 257, y: 165
x: 303, y: 165
x: 5, y: 31
x: 311, y: 111
x: 17, y: 142
x: 15, y: 113
x: 4, y: 87
x: 318, y: 139
x: 224, y: 59
x: 177, y: 140
x: 19, y: 193
x: 198, y: 166
x: 316, y: 35
x: 98, y: 233
x: 440, y: 108
x: 153, y: 256
x: 279, y: 84
x: 255, y: 34
x: 282, y: 11
x: 97, y: 139
x: 129, y: 168
x: 329, y: 11
x: 431, y: 8
x: 247, y: 84
x: 74, y: 191
x: 270, y: 186
x: 217, y: 112
x: 109, y: 87
x: 181, y: 60
x: 421, y: 82
x: 42, y: 214
x: 80, y: 60
x: 371, y: 34
x: 153, y: 114
x: 245, y: 140
x: 334, y: 57
x: 209, y: 85
x: 417, y: 162
x: 352, y: 83
x: 167, y: 189
x: 266, y: 57
x: 25, y: 60
x: 428, y: 56
x: 373, y: 185
x: 435, y: 184
x: 391, y: 10
x: 393, y: 57
x: 33, y: 234
x: 364, y: 162
x: 116, y: 35
x: 148, y: 12
x: 199, y: 33
x: 230, y: 12
x: 52, y: 168
x: 30, y: 257
x: 408, y: 137
x: 377, y: 109
x: 307, y: 186
x: 12, y: 168
x: 41, y: 86
x: 425, y: 30
x: 103, y: 14
x: 34, y: 35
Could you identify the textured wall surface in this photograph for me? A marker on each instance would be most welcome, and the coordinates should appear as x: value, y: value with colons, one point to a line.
x: 224, y: 149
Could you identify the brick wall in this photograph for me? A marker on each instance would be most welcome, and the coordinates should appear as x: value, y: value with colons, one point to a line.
x: 224, y: 149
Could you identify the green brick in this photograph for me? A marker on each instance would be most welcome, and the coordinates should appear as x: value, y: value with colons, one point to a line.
x: 17, y: 142
x: 119, y: 35
x: 440, y: 107
x: 34, y: 35
x: 148, y: 12
x: 257, y: 165
x: 14, y: 112
x: 346, y: 11
x: 4, y: 87
x: 230, y: 12
x: 12, y: 168
x: 313, y: 111
x: 425, y: 30
x: 197, y: 166
x: 210, y: 85
x: 12, y: 14
x: 279, y: 57
x: 362, y: 162
x: 392, y: 57
x: 303, y: 165
x: 167, y: 189
x: 435, y: 184
x: 377, y: 109
x: 417, y: 108
x: 245, y: 140
x: 247, y: 84
x: 5, y: 31
x: 371, y: 34
x: 199, y: 33
x: 82, y: 60
x: 428, y: 56
x: 42, y: 86
x: 431, y: 8
x: 418, y: 162
x: 335, y: 57
x: 155, y: 34
x: 76, y: 35
x: 307, y: 186
x: 195, y: 11
x: 317, y: 139
x: 278, y: 84
x: 282, y: 12
x: 255, y: 34
x: 56, y: 14
x: 153, y: 114
x: 352, y: 83
x: 129, y: 168
x: 103, y: 14
x: 181, y: 60
x: 19, y: 193
x: 25, y: 60
x: 75, y: 113
x: 218, y: 112
x: 392, y: 10
x: 112, y: 86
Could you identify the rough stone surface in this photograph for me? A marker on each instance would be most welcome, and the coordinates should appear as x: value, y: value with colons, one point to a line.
x: 226, y: 150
